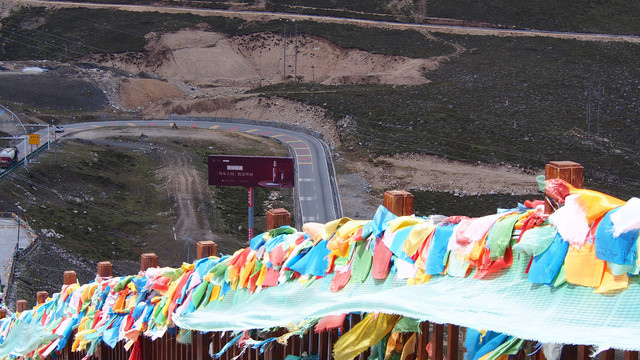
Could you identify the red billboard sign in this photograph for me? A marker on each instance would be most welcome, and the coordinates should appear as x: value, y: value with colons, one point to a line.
x: 265, y: 171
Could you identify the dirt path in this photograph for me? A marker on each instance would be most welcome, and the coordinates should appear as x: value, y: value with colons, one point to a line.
x: 266, y: 16
x: 184, y: 185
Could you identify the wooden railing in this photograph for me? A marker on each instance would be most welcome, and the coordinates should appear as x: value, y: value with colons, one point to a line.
x: 446, y: 342
x: 435, y: 342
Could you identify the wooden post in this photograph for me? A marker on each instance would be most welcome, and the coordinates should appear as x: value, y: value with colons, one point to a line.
x: 101, y: 352
x: 608, y: 354
x: 452, y: 341
x: 569, y: 352
x: 569, y: 171
x: 330, y: 341
x: 399, y: 202
x: 206, y: 248
x: 323, y: 344
x: 630, y: 355
x: 269, y: 352
x: 315, y: 343
x: 423, y: 340
x: 285, y: 347
x: 148, y: 260
x: 278, y: 217
x: 539, y: 355
x: 146, y: 349
x: 41, y: 297
x: 583, y: 352
x: 105, y: 269
x: 21, y: 305
x: 70, y: 277
x: 295, y: 345
x: 215, y: 342
x: 306, y: 339
x: 437, y: 341
x: 202, y: 345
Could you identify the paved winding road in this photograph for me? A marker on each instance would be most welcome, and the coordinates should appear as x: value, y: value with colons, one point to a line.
x: 315, y: 190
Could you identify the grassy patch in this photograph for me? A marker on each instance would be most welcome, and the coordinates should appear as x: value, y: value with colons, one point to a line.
x: 594, y: 16
x: 105, y: 199
x: 373, y: 10
x: 102, y: 200
x: 378, y: 6
x: 515, y: 100
x: 72, y: 33
x: 614, y: 17
x: 442, y: 203
x: 611, y: 17
x: 53, y: 93
x: 36, y: 33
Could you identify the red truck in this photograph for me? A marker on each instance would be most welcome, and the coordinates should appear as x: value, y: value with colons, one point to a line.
x: 8, y: 156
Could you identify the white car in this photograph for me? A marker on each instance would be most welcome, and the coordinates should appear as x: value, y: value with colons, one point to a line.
x: 58, y: 128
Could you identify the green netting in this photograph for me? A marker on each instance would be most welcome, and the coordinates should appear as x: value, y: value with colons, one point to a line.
x: 506, y: 303
x: 24, y: 338
x: 293, y: 279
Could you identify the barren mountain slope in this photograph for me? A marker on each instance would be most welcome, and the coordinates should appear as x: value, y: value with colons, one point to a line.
x: 199, y: 58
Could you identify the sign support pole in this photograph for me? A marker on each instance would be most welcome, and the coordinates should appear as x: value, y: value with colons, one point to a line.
x: 250, y: 213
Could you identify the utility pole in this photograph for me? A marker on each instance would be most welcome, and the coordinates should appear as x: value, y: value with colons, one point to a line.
x: 27, y: 137
x: 284, y: 54
x: 295, y: 55
x: 588, y: 94
x: 55, y: 146
x: 599, y: 95
x: 26, y: 154
x: 596, y: 92
x: 188, y: 248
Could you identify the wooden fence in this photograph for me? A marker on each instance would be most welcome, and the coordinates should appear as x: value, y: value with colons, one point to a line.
x: 435, y: 342
x: 445, y: 342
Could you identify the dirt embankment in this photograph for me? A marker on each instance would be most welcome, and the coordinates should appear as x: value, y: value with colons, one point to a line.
x: 196, y: 72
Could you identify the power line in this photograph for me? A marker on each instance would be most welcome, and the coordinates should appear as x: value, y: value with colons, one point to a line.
x: 105, y: 25
x: 31, y: 46
x: 94, y: 22
x: 593, y: 92
x: 48, y: 34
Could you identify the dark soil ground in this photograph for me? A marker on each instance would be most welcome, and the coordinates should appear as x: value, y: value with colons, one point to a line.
x: 54, y: 90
